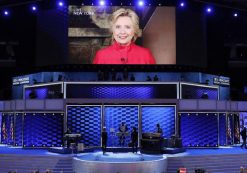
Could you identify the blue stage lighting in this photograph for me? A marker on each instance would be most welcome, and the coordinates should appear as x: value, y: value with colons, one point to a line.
x: 182, y: 4
x: 140, y: 3
x: 60, y: 3
x: 6, y: 13
x: 102, y: 2
x: 34, y: 8
x: 209, y: 10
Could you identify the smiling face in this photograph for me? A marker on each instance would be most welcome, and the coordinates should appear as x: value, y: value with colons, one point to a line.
x: 123, y: 30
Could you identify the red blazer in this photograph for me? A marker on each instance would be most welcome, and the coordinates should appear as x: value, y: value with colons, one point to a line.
x: 117, y: 54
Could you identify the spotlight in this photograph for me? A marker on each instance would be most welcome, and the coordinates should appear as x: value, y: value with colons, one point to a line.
x: 182, y: 4
x: 102, y: 2
x: 34, y: 8
x: 235, y: 14
x: 140, y: 3
x: 60, y: 3
x: 209, y: 10
x: 6, y: 12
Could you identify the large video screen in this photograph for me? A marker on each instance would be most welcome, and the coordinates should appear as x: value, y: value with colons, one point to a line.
x: 106, y: 35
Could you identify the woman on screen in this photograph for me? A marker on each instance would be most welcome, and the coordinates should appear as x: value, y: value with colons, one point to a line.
x: 125, y: 30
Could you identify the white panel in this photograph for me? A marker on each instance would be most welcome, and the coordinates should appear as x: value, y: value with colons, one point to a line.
x: 54, y: 104
x: 187, y: 104
x: 20, y: 104
x: 234, y: 106
x: 242, y: 106
x: 221, y: 105
x: 33, y: 104
x: 207, y: 104
x: 7, y: 105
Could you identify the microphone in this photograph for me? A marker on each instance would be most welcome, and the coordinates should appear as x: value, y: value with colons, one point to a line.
x: 123, y: 60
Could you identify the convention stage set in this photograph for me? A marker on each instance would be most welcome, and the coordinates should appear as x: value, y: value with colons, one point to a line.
x: 193, y: 110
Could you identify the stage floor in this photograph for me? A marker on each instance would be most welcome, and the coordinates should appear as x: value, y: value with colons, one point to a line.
x: 4, y: 149
x: 115, y: 161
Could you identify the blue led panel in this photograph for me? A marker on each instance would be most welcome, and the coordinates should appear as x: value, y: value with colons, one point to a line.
x: 199, y: 129
x: 164, y: 115
x: 236, y: 126
x: 121, y: 91
x: 43, y: 129
x: 86, y: 120
x: 230, y: 129
x: 114, y: 115
x: 7, y: 134
x: 18, y: 129
x: 1, y: 127
x: 242, y: 121
x: 198, y: 92
x: 222, y: 129
x: 44, y: 92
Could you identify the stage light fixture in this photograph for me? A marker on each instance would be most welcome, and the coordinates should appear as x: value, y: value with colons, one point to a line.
x: 6, y: 12
x: 60, y: 3
x: 140, y: 3
x: 235, y: 14
x: 209, y: 10
x: 182, y: 4
x: 34, y: 8
x: 102, y: 2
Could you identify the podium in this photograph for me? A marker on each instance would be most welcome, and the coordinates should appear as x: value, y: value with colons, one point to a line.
x: 72, y: 138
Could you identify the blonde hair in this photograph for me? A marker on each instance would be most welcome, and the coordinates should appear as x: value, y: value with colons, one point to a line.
x: 122, y: 12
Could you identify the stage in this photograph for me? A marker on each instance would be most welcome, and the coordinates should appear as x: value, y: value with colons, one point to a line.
x: 214, y: 160
x: 62, y: 150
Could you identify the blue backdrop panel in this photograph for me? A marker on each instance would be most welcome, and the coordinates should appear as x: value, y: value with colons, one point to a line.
x: 45, y: 92
x: 1, y: 126
x: 43, y: 129
x: 18, y: 129
x: 8, y: 128
x: 197, y: 92
x: 242, y: 121
x: 86, y: 120
x: 4, y: 128
x: 236, y: 129
x: 222, y: 129
x: 199, y: 129
x: 123, y: 91
x: 114, y: 115
x: 230, y: 129
x: 164, y: 115
x: 224, y: 93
